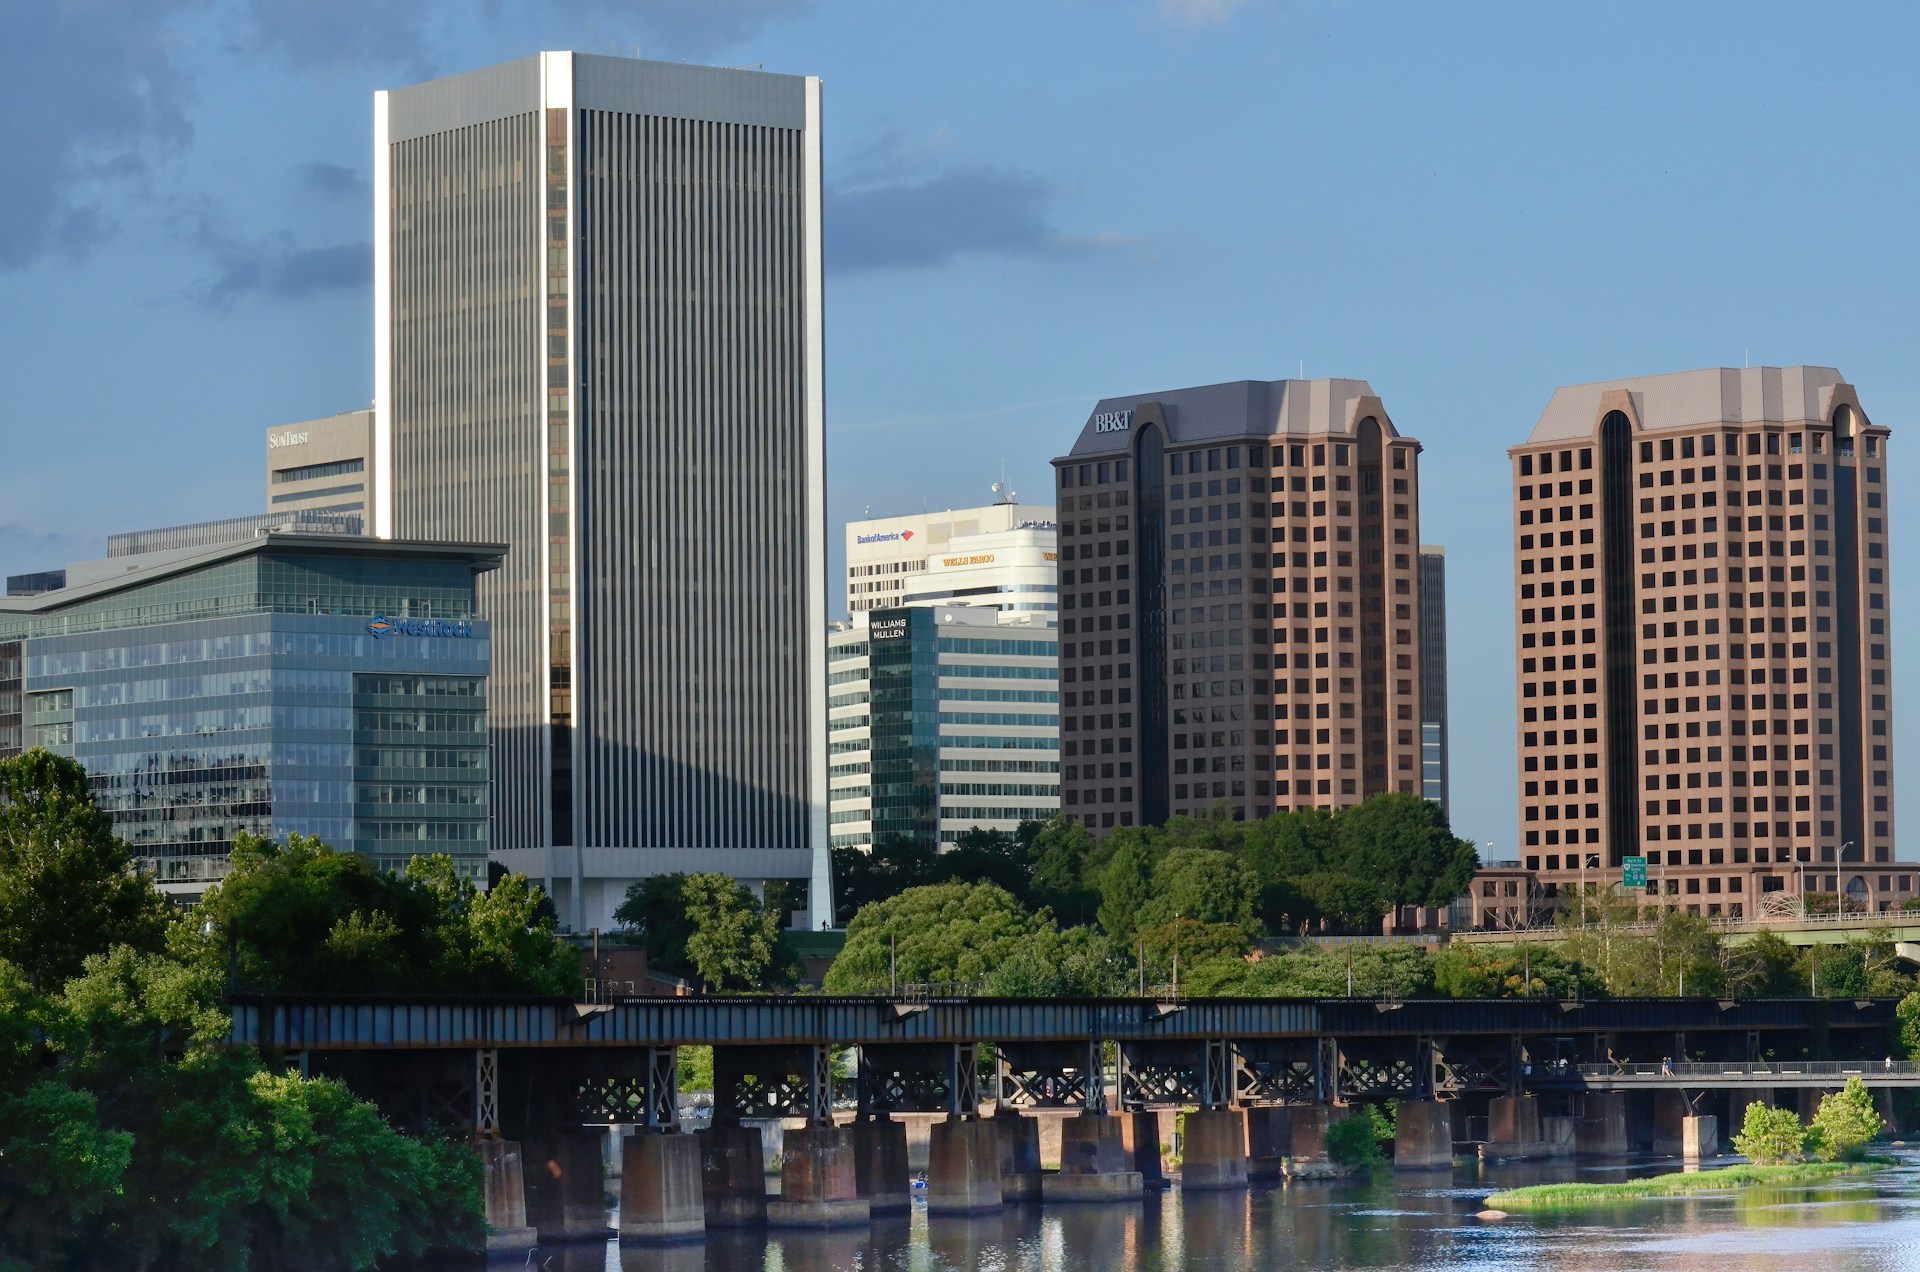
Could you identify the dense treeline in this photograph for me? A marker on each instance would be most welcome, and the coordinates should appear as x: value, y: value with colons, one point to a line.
x: 130, y: 1137
x: 1221, y: 904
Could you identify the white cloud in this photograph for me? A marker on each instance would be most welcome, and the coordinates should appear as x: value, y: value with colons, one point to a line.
x: 1199, y: 13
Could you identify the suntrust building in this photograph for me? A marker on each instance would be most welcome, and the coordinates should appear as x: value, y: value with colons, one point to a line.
x: 316, y: 684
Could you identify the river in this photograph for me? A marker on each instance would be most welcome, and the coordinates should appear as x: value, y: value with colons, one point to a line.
x: 1409, y: 1221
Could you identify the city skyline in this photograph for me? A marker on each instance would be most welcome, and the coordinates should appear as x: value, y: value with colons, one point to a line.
x: 950, y: 349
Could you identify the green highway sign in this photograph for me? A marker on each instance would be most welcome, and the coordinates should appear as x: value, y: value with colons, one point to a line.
x: 1634, y: 872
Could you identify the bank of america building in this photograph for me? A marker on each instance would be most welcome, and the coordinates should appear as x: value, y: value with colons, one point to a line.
x: 315, y: 684
x: 597, y: 322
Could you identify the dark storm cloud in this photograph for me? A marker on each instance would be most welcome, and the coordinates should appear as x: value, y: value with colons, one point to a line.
x: 96, y: 93
x: 900, y: 206
x: 332, y: 181
x: 276, y: 267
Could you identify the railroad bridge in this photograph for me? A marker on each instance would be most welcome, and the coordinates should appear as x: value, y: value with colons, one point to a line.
x: 1261, y: 1078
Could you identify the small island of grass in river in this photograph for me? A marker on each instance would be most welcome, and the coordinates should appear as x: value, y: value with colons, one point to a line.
x: 1548, y: 1197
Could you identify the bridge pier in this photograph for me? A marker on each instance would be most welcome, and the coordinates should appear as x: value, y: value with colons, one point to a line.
x: 1699, y: 1137
x: 566, y: 1188
x: 880, y: 1172
x: 506, y: 1198
x: 1883, y: 1103
x: 963, y: 1167
x: 1269, y: 1140
x: 1213, y: 1150
x: 1096, y: 1161
x: 1670, y: 1112
x: 1423, y: 1134
x: 733, y: 1176
x: 818, y: 1187
x: 1602, y: 1128
x: 1140, y: 1132
x: 1019, y: 1156
x: 662, y: 1188
x: 1309, y: 1124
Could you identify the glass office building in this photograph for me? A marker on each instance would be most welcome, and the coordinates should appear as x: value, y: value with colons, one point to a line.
x: 941, y: 719
x: 310, y: 684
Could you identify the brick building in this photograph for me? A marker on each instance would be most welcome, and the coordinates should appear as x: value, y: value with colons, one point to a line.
x: 1239, y: 603
x: 1701, y: 593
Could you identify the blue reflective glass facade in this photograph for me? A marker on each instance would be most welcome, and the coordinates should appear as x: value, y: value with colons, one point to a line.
x: 318, y: 713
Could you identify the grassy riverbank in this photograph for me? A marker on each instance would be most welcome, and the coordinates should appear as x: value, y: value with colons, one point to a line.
x: 1548, y: 1197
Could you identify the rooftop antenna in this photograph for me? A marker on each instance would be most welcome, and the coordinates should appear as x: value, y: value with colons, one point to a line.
x: 1303, y: 368
x: 1746, y: 355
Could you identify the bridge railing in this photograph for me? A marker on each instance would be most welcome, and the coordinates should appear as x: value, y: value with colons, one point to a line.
x: 1737, y: 1068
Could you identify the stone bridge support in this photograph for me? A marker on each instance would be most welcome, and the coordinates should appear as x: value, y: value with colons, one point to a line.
x: 1423, y: 1134
x: 1096, y: 1162
x: 963, y: 1155
x: 1601, y: 1130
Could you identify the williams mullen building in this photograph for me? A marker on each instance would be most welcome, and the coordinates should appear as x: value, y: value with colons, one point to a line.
x: 286, y: 683
x: 597, y: 314
x: 1240, y: 608
x: 1704, y: 678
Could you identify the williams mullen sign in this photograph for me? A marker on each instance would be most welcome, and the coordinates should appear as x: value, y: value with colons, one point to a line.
x: 382, y: 627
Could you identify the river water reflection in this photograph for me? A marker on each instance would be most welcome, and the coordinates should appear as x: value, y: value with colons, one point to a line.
x: 1406, y: 1221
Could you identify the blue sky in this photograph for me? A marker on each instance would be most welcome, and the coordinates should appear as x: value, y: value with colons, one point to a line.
x: 1031, y: 206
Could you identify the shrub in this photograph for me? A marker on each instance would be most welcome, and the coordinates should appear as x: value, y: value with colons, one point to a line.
x: 1352, y: 1141
x: 1845, y: 1123
x: 1770, y: 1137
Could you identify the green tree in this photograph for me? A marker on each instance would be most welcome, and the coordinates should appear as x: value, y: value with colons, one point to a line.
x: 1534, y: 969
x: 1771, y: 1137
x: 1204, y: 885
x: 863, y: 876
x: 655, y: 914
x: 1125, y: 880
x: 1077, y: 962
x: 733, y: 933
x: 1403, y: 843
x: 1351, y: 1142
x: 1907, y: 1013
x: 1193, y: 942
x: 1845, y: 1123
x: 942, y: 932
x: 1289, y: 844
x: 1347, y: 902
x: 300, y: 917
x: 1061, y: 848
x: 1322, y: 971
x: 1763, y: 966
x: 68, y: 887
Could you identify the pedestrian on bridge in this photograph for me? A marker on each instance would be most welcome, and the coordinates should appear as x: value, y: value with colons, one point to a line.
x: 1666, y: 1066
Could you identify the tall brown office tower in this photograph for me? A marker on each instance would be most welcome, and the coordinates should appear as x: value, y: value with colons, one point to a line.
x: 1701, y: 587
x: 1239, y: 603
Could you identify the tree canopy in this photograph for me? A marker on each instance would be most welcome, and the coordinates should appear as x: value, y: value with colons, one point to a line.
x: 68, y: 887
x: 300, y: 917
x: 131, y: 1137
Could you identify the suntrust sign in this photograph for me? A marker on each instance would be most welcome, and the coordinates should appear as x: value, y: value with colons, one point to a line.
x: 1112, y: 421
x: 287, y: 438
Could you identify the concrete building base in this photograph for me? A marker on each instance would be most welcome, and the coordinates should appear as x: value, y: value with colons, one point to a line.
x: 963, y: 1167
x: 661, y: 1189
x: 1019, y: 1156
x: 1423, y: 1134
x: 818, y: 1187
x: 733, y: 1181
x: 880, y: 1171
x: 1269, y: 1141
x: 1213, y: 1152
x: 506, y: 1198
x: 566, y: 1190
